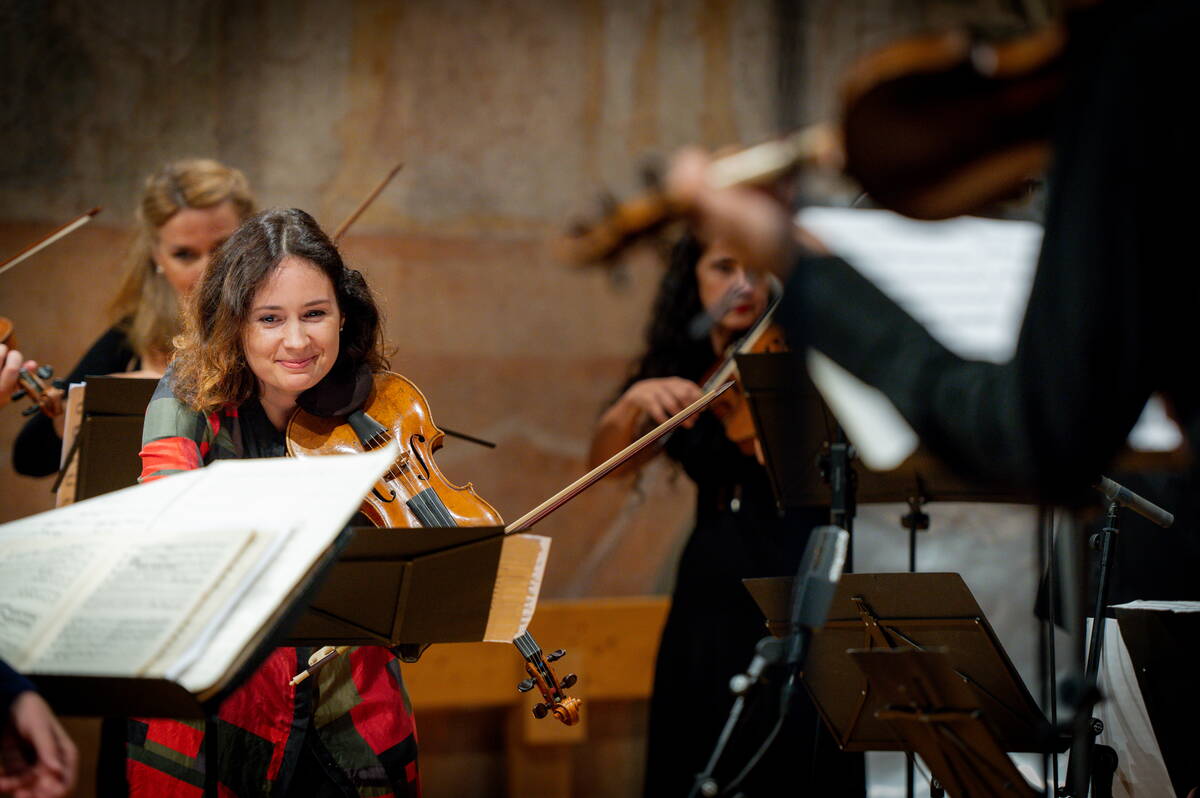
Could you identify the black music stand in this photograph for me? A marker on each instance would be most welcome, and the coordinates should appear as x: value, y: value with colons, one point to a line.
x: 406, y: 586
x: 793, y: 423
x: 902, y: 610
x: 110, y: 434
x: 940, y: 717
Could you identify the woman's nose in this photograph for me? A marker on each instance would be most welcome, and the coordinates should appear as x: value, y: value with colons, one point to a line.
x: 742, y: 283
x: 293, y: 335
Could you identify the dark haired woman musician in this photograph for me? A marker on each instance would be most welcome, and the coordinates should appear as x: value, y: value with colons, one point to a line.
x: 713, y: 623
x: 276, y: 321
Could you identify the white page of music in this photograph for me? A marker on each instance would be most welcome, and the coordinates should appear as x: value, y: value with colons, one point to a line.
x: 295, y: 508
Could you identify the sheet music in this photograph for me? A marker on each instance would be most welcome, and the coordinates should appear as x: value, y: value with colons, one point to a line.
x: 518, y: 584
x: 1141, y: 771
x: 118, y: 626
x: 1159, y: 606
x: 73, y: 419
x: 967, y: 280
x: 322, y: 494
x: 37, y: 579
x: 308, y: 501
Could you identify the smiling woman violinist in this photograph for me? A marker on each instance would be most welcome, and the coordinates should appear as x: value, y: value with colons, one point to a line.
x: 276, y: 321
x: 713, y: 624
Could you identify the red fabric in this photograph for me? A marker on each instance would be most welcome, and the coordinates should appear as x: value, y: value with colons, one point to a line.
x: 380, y: 718
x: 177, y: 736
x: 169, y: 454
x: 146, y: 782
x: 265, y: 702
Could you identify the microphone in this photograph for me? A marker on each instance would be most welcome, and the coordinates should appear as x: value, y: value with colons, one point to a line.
x: 816, y: 581
x: 1118, y: 493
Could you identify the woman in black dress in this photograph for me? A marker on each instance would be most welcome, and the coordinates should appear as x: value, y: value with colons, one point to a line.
x: 713, y: 624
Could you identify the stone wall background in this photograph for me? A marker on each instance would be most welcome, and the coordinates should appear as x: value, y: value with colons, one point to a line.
x: 509, y: 117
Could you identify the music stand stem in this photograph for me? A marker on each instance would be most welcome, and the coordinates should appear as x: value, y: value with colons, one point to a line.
x: 1079, y: 761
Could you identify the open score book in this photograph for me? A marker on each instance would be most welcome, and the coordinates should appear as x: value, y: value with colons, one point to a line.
x: 181, y: 579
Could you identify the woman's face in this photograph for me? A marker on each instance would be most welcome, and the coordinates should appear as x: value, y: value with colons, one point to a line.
x: 184, y: 244
x: 733, y: 297
x: 290, y: 338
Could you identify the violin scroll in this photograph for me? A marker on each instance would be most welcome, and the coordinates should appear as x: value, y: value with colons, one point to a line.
x: 555, y: 700
x: 45, y: 398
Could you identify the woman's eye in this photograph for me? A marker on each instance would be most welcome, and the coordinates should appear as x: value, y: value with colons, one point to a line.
x: 315, y: 314
x: 268, y: 319
x: 184, y: 255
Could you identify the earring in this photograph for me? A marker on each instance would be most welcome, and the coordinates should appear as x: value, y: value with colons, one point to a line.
x: 158, y: 269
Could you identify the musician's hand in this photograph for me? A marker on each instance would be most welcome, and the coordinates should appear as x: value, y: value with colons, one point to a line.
x: 752, y: 221
x: 11, y: 363
x: 663, y: 397
x: 37, y: 758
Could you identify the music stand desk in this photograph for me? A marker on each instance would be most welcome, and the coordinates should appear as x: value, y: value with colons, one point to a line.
x: 406, y: 586
x: 920, y: 611
x: 940, y: 717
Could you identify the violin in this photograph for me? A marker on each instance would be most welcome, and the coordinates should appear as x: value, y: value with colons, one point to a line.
x: 931, y: 127
x: 731, y: 408
x: 45, y: 398
x: 415, y: 493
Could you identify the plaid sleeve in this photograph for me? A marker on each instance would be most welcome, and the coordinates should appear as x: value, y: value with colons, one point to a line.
x: 174, y: 437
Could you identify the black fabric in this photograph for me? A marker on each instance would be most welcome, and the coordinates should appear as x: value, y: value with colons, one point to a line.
x: 259, y: 437
x: 302, y: 718
x: 38, y: 448
x: 12, y: 684
x: 1111, y: 314
x: 395, y: 763
x: 713, y: 626
x: 342, y: 391
x: 316, y: 775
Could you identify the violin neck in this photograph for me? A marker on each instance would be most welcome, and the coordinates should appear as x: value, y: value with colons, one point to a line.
x: 724, y: 371
x: 765, y: 163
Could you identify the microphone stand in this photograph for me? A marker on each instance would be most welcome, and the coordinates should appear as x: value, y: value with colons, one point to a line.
x: 1090, y: 765
x: 812, y: 594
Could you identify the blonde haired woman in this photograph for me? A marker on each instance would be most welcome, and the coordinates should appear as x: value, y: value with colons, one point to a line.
x: 187, y: 209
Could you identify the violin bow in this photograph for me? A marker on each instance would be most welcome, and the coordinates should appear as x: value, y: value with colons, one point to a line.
x: 526, y: 522
x: 39, y: 245
x: 362, y: 206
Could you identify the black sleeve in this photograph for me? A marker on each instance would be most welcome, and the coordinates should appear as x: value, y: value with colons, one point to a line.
x: 12, y: 684
x: 1115, y: 293
x: 37, y: 449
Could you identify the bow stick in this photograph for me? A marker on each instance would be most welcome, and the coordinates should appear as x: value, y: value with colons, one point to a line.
x: 327, y: 654
x: 362, y: 206
x: 38, y: 246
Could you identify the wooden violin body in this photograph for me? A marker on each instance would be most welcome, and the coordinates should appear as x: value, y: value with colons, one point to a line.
x: 402, y: 413
x: 731, y: 408
x: 414, y: 493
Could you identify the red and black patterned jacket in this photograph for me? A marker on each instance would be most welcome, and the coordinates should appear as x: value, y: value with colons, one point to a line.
x: 357, y: 706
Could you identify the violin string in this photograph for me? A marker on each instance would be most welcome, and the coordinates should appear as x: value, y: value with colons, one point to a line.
x: 402, y: 472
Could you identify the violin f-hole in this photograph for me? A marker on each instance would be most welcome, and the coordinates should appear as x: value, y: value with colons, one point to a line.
x: 414, y: 439
x: 378, y: 495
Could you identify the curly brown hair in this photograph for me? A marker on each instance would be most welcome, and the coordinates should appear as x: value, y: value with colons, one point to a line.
x: 210, y: 368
